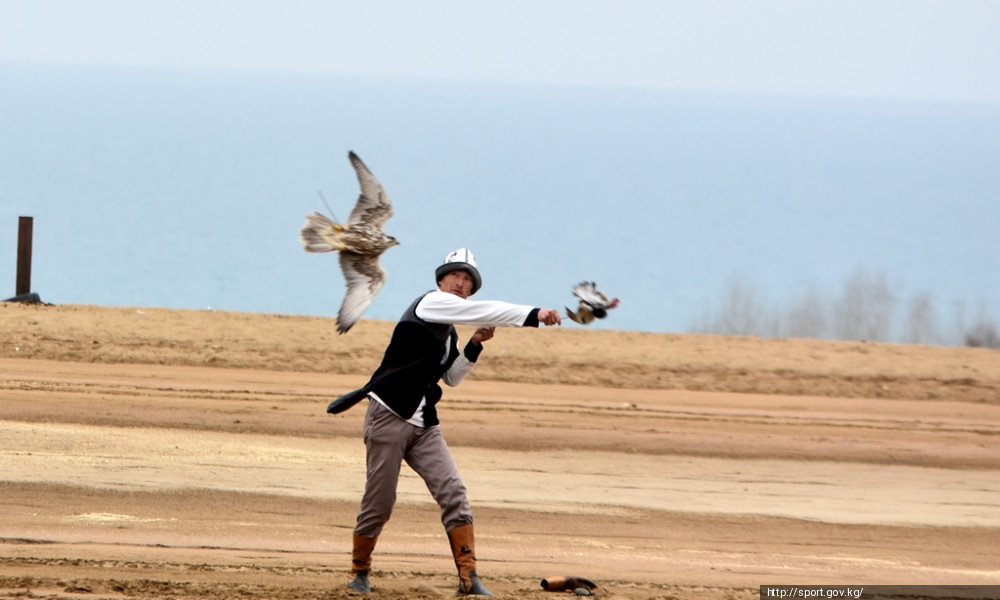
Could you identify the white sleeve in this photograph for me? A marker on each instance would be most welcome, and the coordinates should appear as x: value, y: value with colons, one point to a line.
x: 442, y: 307
x: 458, y: 370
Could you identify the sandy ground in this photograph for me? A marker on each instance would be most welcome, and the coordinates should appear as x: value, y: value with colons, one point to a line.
x: 187, y: 455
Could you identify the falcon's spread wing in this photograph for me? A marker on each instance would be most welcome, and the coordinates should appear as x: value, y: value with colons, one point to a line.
x: 365, y: 277
x: 374, y: 206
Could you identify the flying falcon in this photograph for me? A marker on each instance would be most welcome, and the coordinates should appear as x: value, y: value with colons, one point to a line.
x: 593, y: 303
x: 360, y: 242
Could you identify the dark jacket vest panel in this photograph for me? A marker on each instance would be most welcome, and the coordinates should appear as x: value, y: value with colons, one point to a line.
x: 413, y: 364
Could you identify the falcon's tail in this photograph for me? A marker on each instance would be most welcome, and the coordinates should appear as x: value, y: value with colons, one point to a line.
x: 320, y: 233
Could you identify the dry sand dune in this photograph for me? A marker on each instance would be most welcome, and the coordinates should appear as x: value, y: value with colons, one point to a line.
x: 185, y: 454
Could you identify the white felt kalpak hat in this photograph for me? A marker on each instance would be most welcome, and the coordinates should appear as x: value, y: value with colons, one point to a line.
x: 461, y: 259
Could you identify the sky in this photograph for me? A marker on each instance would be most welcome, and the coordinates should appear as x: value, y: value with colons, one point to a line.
x: 937, y: 50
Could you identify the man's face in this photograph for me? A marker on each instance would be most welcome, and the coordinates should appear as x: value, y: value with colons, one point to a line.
x: 457, y: 282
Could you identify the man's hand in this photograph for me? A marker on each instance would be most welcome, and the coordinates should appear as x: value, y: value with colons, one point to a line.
x: 549, y: 316
x: 482, y: 334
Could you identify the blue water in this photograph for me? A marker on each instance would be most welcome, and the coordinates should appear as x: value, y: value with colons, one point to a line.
x: 186, y: 189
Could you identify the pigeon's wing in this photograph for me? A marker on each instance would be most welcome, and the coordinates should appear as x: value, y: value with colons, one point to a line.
x: 365, y: 277
x: 373, y: 206
x: 587, y: 291
x: 583, y: 314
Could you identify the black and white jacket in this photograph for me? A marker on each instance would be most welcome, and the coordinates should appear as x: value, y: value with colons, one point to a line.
x: 424, y: 349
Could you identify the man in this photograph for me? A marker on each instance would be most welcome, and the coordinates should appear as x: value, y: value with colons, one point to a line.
x: 402, y: 423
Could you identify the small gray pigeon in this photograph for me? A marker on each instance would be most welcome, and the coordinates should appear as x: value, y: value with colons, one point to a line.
x: 593, y: 303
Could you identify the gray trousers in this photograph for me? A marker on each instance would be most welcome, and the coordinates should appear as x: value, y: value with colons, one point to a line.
x: 389, y: 441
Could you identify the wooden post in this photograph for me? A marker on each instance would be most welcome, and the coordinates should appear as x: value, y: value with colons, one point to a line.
x: 25, y: 225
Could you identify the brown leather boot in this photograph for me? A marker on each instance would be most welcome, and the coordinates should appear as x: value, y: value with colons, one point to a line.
x: 361, y: 563
x: 463, y: 547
